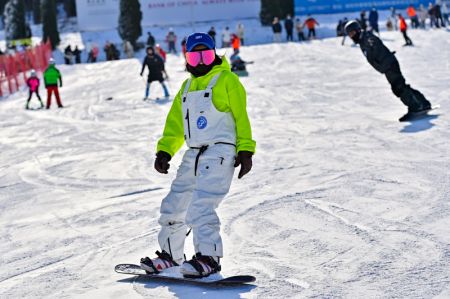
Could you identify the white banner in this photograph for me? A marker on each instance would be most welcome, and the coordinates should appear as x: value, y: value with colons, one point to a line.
x: 104, y: 14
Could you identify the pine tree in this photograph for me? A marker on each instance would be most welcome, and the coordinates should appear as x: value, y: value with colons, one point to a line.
x: 37, y: 12
x: 15, y: 26
x: 50, y: 25
x: 70, y: 8
x: 130, y: 21
x: 275, y: 8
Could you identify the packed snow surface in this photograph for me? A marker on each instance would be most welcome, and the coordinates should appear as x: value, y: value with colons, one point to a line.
x: 343, y: 200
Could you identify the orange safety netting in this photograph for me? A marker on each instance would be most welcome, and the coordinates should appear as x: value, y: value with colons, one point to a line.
x: 14, y: 67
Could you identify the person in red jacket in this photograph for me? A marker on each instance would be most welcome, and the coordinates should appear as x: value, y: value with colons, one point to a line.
x: 33, y: 85
x: 160, y: 52
x: 403, y: 28
x: 311, y: 23
x: 235, y: 42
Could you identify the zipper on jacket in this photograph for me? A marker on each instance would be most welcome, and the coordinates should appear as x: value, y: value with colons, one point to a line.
x: 188, y: 123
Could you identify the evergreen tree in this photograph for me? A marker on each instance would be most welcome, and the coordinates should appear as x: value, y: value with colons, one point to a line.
x: 50, y: 24
x: 275, y: 8
x: 37, y: 12
x: 14, y: 16
x: 130, y: 21
x: 70, y: 8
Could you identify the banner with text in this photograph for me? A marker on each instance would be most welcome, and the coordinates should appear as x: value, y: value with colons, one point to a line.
x: 303, y: 7
x: 104, y: 14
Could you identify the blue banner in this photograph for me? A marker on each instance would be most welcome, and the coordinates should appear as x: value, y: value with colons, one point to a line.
x: 304, y: 7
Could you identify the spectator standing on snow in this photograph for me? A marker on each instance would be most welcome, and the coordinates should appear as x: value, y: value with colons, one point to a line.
x: 156, y: 71
x: 299, y: 29
x: 171, y: 40
x: 235, y: 42
x: 394, y: 18
x: 77, y: 54
x: 432, y: 14
x: 412, y: 14
x: 423, y: 15
x: 68, y: 55
x: 373, y: 20
x: 276, y: 28
x: 150, y: 40
x: 33, y: 87
x: 212, y: 32
x: 363, y: 20
x: 52, y: 77
x: 445, y: 13
x: 311, y: 23
x: 439, y: 13
x: 289, y: 26
x: 93, y: 54
x: 183, y: 46
x: 403, y: 27
x: 226, y: 37
x: 240, y: 32
x: 385, y: 62
x: 128, y: 49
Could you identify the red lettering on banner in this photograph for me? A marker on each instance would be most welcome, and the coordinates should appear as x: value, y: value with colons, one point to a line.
x: 187, y: 3
x: 156, y: 5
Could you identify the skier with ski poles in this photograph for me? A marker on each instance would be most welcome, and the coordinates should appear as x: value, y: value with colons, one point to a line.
x: 209, y: 114
x: 385, y: 62
x: 156, y: 71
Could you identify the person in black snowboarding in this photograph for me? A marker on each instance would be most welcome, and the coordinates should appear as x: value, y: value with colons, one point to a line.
x: 156, y: 71
x: 384, y: 61
x: 289, y: 26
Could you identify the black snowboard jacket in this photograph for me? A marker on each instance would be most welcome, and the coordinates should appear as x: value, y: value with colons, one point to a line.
x: 377, y: 54
x: 155, y: 66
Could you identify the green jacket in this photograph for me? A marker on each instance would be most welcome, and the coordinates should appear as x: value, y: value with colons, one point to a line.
x: 51, y: 76
x: 228, y: 96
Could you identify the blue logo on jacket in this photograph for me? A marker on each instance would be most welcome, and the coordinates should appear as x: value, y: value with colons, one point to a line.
x: 202, y: 122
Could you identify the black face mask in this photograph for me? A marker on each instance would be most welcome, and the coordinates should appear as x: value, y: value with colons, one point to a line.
x: 355, y: 38
x: 202, y: 69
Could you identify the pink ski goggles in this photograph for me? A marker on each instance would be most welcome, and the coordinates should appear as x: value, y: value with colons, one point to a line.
x: 206, y: 56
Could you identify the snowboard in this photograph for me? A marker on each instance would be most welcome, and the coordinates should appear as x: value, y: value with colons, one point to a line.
x: 173, y: 275
x: 412, y: 116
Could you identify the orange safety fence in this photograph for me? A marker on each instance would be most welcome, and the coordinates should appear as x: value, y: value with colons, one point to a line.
x: 14, y: 67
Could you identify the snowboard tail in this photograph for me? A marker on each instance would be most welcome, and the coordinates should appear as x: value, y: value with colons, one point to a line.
x: 173, y: 274
x: 412, y: 116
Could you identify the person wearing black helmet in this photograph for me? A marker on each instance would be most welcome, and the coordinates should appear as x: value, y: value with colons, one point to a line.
x: 385, y: 62
x: 156, y: 71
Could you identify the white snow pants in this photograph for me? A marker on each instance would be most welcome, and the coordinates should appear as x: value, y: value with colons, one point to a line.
x: 193, y: 199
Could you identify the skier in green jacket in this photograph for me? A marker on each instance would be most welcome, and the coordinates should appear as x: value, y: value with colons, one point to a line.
x: 209, y: 114
x: 51, y: 78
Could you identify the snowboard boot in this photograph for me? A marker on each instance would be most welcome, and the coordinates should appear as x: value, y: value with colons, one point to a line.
x: 200, y: 266
x: 156, y: 265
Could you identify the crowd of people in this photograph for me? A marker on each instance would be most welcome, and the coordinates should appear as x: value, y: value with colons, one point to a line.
x: 436, y: 16
x: 298, y: 25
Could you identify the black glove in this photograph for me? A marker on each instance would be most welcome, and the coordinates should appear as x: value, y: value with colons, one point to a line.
x: 162, y: 162
x: 141, y: 74
x: 244, y: 158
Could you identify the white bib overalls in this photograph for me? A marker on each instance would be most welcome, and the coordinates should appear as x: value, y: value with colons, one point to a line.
x: 203, y: 178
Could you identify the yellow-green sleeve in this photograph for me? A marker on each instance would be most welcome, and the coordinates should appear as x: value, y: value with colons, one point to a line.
x: 238, y: 105
x: 173, y: 135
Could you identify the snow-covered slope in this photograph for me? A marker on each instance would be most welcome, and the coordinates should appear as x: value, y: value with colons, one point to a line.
x: 343, y: 200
